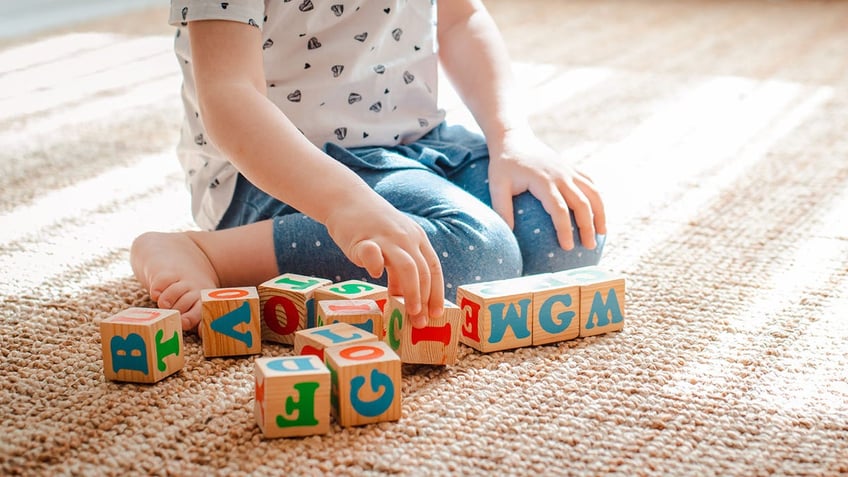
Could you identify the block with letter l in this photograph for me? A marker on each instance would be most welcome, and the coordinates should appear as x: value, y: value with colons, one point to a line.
x: 142, y: 345
x: 315, y: 340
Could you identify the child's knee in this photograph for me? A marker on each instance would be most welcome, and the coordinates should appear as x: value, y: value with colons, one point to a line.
x: 537, y: 239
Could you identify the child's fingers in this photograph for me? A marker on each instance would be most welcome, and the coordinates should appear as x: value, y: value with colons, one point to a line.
x: 404, y: 279
x: 437, y: 283
x: 502, y: 201
x: 581, y: 206
x: 368, y: 255
x: 556, y: 206
x: 593, y: 194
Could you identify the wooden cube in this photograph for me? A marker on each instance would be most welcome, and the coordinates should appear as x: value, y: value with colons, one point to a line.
x: 229, y: 322
x: 496, y: 315
x: 363, y: 314
x: 353, y: 290
x: 292, y: 396
x: 366, y: 383
x: 556, y: 309
x: 434, y: 344
x: 142, y: 345
x: 601, y: 299
x: 288, y: 305
x: 315, y: 340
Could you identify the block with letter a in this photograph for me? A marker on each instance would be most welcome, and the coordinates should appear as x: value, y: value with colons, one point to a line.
x: 229, y: 321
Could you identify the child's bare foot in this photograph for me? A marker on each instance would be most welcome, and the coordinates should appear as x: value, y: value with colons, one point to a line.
x: 173, y: 268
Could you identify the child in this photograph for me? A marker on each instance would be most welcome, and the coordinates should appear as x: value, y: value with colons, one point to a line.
x: 313, y: 144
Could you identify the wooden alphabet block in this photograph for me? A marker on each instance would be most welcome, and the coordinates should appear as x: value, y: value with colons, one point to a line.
x: 353, y: 290
x: 315, y: 340
x: 363, y: 314
x: 229, y: 322
x: 366, y: 383
x: 496, y: 315
x: 556, y: 309
x: 601, y: 299
x: 292, y: 396
x: 434, y: 344
x: 288, y: 305
x: 142, y: 345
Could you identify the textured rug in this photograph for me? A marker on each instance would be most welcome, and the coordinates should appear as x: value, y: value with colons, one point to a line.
x: 719, y: 131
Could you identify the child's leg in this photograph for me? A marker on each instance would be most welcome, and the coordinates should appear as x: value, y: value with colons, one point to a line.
x: 174, y: 267
x: 472, y: 241
x: 533, y: 229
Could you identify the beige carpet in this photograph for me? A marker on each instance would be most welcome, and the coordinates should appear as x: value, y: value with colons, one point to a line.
x: 719, y: 131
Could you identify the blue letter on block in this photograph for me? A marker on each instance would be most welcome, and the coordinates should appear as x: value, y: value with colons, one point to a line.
x: 122, y: 353
x: 226, y: 324
x: 336, y: 338
x: 501, y: 320
x: 293, y: 363
x: 546, y: 319
x: 604, y: 311
x: 310, y: 313
x: 381, y: 404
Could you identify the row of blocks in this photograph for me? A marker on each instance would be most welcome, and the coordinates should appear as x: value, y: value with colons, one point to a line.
x: 145, y: 344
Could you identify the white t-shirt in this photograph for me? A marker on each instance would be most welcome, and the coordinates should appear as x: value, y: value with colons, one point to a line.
x: 354, y: 73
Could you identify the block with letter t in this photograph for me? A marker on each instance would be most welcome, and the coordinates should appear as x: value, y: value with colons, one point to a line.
x: 601, y: 299
x: 142, y: 345
x: 436, y: 343
x: 292, y: 396
x: 287, y: 305
x: 363, y: 314
x: 315, y: 340
x: 366, y: 383
x: 229, y: 321
x: 495, y: 315
x: 353, y: 290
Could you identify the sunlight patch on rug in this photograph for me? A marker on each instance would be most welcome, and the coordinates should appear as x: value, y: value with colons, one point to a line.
x: 84, y: 72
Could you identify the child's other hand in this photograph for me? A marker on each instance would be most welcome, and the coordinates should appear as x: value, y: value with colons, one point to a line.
x: 378, y: 237
x: 522, y: 162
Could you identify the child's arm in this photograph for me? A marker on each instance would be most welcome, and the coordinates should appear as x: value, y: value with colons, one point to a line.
x: 475, y: 58
x: 270, y: 151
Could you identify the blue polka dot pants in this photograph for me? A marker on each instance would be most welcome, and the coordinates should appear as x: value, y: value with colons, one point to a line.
x: 441, y: 182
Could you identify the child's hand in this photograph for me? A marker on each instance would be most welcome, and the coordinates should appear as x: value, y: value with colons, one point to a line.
x: 522, y: 162
x: 377, y: 237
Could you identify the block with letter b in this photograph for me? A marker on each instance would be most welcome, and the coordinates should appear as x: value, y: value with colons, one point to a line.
x: 495, y: 315
x: 363, y: 314
x: 292, y: 396
x: 287, y: 305
x: 353, y: 290
x: 315, y: 340
x: 601, y: 299
x: 436, y: 343
x: 142, y: 345
x: 366, y: 383
x: 229, y: 321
